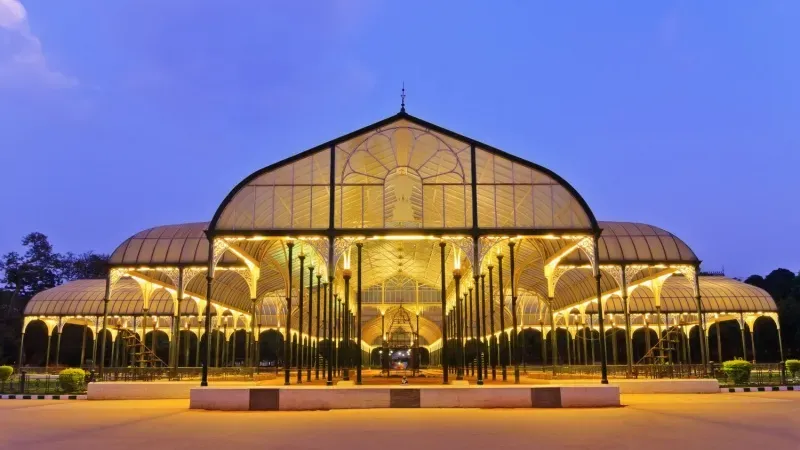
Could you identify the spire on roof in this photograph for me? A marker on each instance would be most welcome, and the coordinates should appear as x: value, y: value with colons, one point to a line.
x: 403, y: 98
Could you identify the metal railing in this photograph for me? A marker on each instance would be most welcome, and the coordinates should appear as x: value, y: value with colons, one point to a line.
x: 181, y: 374
x: 762, y: 374
x: 35, y: 384
x: 639, y: 371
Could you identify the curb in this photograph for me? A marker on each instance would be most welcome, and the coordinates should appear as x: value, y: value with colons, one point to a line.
x: 42, y: 397
x: 760, y: 389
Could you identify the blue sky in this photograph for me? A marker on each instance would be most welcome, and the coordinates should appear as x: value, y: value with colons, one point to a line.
x: 116, y: 116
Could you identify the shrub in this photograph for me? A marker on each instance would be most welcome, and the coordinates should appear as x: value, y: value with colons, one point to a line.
x: 71, y: 380
x: 5, y: 373
x: 792, y: 366
x: 737, y: 371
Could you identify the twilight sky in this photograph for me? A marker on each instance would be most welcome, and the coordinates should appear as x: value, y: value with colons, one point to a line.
x: 116, y: 116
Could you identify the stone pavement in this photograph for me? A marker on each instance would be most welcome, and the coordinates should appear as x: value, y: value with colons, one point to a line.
x: 768, y: 420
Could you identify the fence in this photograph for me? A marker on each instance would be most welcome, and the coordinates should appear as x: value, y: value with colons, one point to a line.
x: 761, y: 375
x: 643, y: 371
x: 35, y: 384
x: 181, y: 374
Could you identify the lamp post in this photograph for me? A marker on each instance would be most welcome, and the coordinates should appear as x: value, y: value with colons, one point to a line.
x: 309, y: 347
x: 460, y: 345
x: 514, y: 334
x: 299, y: 347
x: 346, y: 341
x: 359, y: 247
x: 287, y: 336
x: 316, y: 354
x: 445, y: 336
x: 329, y: 320
x: 502, y: 339
x: 493, y: 354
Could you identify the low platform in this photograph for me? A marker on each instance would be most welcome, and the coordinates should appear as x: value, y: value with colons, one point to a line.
x: 145, y: 390
x: 658, y: 386
x: 306, y: 398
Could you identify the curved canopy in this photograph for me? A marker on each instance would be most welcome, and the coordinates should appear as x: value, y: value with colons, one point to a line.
x: 718, y: 294
x: 403, y: 173
x: 182, y: 244
x: 85, y: 298
x: 403, y: 186
x: 629, y: 242
x: 371, y: 332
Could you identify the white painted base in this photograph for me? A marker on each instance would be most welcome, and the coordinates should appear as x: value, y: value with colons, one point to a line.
x: 704, y: 386
x: 336, y: 398
x: 305, y: 398
x: 589, y: 396
x: 475, y: 397
x: 220, y: 399
x: 138, y: 390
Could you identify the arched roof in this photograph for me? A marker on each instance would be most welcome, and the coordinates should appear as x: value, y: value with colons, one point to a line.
x: 429, y: 330
x: 630, y: 242
x: 85, y: 297
x: 181, y: 244
x: 620, y: 243
x: 718, y: 294
x: 436, y: 164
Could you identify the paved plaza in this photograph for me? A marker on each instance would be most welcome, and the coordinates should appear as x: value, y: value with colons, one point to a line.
x: 731, y: 421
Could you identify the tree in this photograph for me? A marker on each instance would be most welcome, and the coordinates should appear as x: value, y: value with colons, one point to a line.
x: 38, y: 269
x: 784, y: 287
x: 85, y: 266
x: 779, y: 284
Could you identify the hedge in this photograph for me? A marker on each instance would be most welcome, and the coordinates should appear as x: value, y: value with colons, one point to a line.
x: 5, y: 373
x: 72, y: 380
x: 737, y: 371
x: 792, y: 366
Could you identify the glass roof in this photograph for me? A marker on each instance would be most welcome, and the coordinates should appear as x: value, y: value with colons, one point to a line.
x: 629, y: 242
x: 403, y: 172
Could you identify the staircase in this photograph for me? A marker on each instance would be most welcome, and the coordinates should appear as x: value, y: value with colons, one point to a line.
x: 142, y: 356
x: 661, y: 351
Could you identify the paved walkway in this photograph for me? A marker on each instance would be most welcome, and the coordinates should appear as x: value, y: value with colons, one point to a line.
x: 677, y: 422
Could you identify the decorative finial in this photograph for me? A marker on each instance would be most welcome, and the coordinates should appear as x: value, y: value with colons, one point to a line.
x: 403, y: 98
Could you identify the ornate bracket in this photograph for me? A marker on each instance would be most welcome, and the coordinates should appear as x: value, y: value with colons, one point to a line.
x: 587, y: 246
x: 148, y: 289
x: 689, y: 272
x: 553, y: 274
x: 114, y: 275
x: 485, y: 245
x: 320, y: 247
x: 219, y: 248
x: 462, y: 245
x: 341, y: 248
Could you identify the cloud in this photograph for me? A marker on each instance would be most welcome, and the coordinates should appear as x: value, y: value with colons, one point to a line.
x: 22, y: 61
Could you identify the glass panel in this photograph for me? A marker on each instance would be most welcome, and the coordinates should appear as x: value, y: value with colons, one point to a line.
x: 282, y: 214
x: 433, y: 199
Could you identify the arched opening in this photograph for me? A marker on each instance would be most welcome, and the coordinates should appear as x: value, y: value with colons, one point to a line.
x: 616, y: 345
x: 766, y: 340
x: 271, y: 348
x: 158, y: 342
x: 188, y: 353
x: 34, y: 352
x: 644, y: 339
x: 530, y: 341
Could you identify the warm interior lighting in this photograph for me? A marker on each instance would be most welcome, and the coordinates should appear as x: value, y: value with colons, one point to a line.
x: 410, y: 237
x: 346, y: 256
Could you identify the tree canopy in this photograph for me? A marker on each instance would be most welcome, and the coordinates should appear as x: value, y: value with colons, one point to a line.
x: 36, y: 269
x: 784, y: 287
